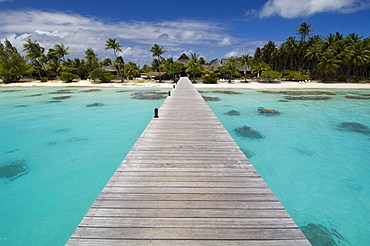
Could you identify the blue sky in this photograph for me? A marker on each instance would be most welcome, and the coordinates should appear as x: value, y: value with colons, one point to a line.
x: 213, y: 29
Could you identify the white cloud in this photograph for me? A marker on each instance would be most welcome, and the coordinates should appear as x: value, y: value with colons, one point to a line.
x: 303, y: 8
x: 232, y: 53
x: 226, y: 41
x: 53, y: 33
x: 239, y: 52
x: 189, y: 36
x: 80, y: 32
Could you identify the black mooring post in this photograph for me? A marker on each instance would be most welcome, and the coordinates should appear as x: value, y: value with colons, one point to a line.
x: 156, y: 113
x: 169, y: 93
x: 174, y: 86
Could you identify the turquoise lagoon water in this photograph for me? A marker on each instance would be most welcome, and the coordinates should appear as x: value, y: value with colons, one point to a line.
x: 56, y: 157
x: 319, y: 171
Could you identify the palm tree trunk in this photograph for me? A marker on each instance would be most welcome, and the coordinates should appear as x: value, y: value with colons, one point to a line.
x: 159, y: 69
x: 38, y: 69
x: 119, y: 70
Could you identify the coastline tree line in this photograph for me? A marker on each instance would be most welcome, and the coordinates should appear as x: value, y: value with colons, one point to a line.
x: 331, y: 58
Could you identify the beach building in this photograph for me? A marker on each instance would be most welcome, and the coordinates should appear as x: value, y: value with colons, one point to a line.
x: 110, y: 68
x: 184, y: 59
x: 216, y: 63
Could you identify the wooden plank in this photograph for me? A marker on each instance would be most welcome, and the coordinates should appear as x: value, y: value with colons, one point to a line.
x: 122, y: 178
x: 187, y: 213
x: 189, y: 233
x: 187, y: 222
x: 152, y: 242
x: 252, y: 183
x: 187, y: 204
x: 186, y: 182
x: 188, y: 197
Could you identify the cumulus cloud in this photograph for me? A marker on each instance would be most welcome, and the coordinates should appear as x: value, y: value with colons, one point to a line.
x: 226, y: 41
x: 247, y: 49
x: 303, y: 8
x: 81, y: 32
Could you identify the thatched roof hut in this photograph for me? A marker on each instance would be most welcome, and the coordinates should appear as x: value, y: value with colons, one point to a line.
x: 215, y: 63
x: 183, y: 59
x: 109, y: 67
x: 157, y: 74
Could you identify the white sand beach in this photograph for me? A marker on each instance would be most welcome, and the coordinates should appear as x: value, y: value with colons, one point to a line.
x: 223, y: 85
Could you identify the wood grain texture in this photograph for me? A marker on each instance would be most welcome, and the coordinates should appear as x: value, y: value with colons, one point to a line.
x: 186, y: 182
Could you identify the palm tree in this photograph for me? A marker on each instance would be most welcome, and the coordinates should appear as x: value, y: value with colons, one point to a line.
x: 157, y: 51
x: 60, y: 51
x: 329, y: 63
x: 313, y: 54
x: 55, y: 55
x: 268, y: 52
x: 304, y: 31
x: 258, y: 54
x: 116, y: 46
x: 131, y: 70
x: 34, y: 53
x: 193, y: 66
x: 92, y: 58
x: 195, y: 57
x: 292, y: 49
x: 258, y: 67
x: 245, y: 61
x: 230, y: 66
x: 358, y: 55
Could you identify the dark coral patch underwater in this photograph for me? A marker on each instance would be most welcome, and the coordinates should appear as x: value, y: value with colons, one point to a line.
x: 354, y: 127
x: 248, y: 132
x: 13, y: 169
x: 322, y: 236
x: 211, y: 98
x: 149, y: 95
x: 233, y: 112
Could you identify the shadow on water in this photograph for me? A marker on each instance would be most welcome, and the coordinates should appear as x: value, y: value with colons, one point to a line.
x: 13, y: 169
x: 354, y: 127
x: 149, y: 95
x: 319, y: 235
x: 248, y: 132
x: 233, y: 113
x: 249, y: 154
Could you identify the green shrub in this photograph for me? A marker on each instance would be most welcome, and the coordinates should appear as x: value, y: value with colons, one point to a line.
x: 102, y: 75
x: 271, y: 75
x: 10, y: 79
x: 67, y: 77
x: 210, y: 76
x: 44, y: 79
x: 236, y: 75
x: 296, y: 75
x: 342, y: 78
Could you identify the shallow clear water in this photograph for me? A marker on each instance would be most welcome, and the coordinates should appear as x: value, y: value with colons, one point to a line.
x: 320, y: 172
x: 56, y: 158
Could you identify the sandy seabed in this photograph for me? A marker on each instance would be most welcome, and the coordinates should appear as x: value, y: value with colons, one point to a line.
x: 223, y: 85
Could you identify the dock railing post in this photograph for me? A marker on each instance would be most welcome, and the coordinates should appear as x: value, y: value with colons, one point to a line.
x: 156, y: 113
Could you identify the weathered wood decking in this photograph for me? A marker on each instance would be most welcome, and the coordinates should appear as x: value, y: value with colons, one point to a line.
x: 186, y: 182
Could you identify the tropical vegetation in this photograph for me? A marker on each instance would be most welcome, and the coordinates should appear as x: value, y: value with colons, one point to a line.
x: 157, y: 51
x: 333, y: 57
x: 301, y: 57
x: 12, y: 64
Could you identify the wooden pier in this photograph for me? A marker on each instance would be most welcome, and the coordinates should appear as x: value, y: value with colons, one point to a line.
x: 186, y: 182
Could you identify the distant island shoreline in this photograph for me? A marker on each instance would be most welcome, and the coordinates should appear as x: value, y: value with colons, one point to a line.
x: 223, y: 85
